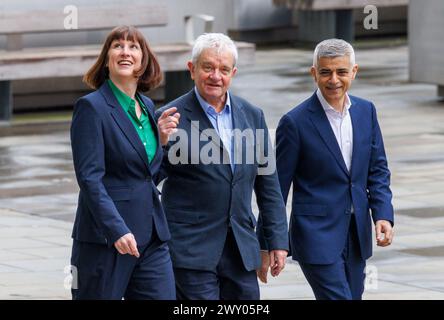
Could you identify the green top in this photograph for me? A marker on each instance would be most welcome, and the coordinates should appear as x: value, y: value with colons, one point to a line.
x: 142, y: 125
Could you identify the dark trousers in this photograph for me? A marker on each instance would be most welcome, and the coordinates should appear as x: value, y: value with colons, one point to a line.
x: 342, y: 280
x: 103, y: 273
x: 230, y: 280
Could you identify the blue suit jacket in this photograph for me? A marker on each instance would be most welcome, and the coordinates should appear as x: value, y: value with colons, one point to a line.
x: 118, y: 194
x: 308, y: 156
x: 201, y: 200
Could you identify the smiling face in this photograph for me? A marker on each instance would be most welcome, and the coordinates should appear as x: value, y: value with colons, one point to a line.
x: 212, y: 75
x: 334, y: 77
x: 124, y: 60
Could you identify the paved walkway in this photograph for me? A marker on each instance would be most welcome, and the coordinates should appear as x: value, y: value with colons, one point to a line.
x: 38, y: 189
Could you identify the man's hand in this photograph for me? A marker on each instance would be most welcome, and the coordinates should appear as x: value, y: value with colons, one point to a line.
x: 167, y: 124
x: 277, y: 261
x: 384, y: 233
x: 263, y: 270
x: 127, y: 245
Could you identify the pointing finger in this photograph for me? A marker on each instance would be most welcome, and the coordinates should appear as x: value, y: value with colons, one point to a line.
x: 168, y: 112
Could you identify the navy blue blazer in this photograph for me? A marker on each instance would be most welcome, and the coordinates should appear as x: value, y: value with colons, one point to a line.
x: 118, y: 194
x: 308, y: 156
x: 202, y: 200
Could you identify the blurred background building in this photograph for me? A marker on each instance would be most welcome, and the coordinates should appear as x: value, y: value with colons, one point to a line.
x: 263, y: 22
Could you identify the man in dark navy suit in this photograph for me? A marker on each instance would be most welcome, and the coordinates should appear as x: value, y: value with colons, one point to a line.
x: 222, y: 154
x: 330, y: 148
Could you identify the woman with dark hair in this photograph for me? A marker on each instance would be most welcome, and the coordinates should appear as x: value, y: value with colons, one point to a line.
x: 120, y: 231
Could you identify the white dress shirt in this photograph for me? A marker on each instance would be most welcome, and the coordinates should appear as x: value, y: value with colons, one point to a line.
x: 341, y: 125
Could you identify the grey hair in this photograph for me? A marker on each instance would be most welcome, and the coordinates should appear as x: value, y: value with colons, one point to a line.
x: 332, y: 48
x: 217, y: 41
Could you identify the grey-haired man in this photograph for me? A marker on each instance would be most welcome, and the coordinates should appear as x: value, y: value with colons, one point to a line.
x: 208, y: 191
x: 330, y: 148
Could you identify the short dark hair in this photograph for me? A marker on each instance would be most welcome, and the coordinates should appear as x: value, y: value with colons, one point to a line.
x: 149, y: 74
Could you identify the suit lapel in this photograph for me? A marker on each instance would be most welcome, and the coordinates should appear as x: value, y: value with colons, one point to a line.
x: 149, y: 111
x: 124, y: 123
x: 356, y: 119
x: 240, y: 123
x: 320, y: 120
x: 195, y: 113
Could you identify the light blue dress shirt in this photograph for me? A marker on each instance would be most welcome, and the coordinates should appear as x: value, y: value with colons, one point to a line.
x: 222, y: 122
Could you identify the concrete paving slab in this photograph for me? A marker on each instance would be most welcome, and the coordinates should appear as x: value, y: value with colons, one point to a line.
x: 14, y: 243
x: 57, y: 241
x: 8, y: 255
x: 41, y: 264
x: 52, y: 252
x: 32, y: 231
x: 11, y: 269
